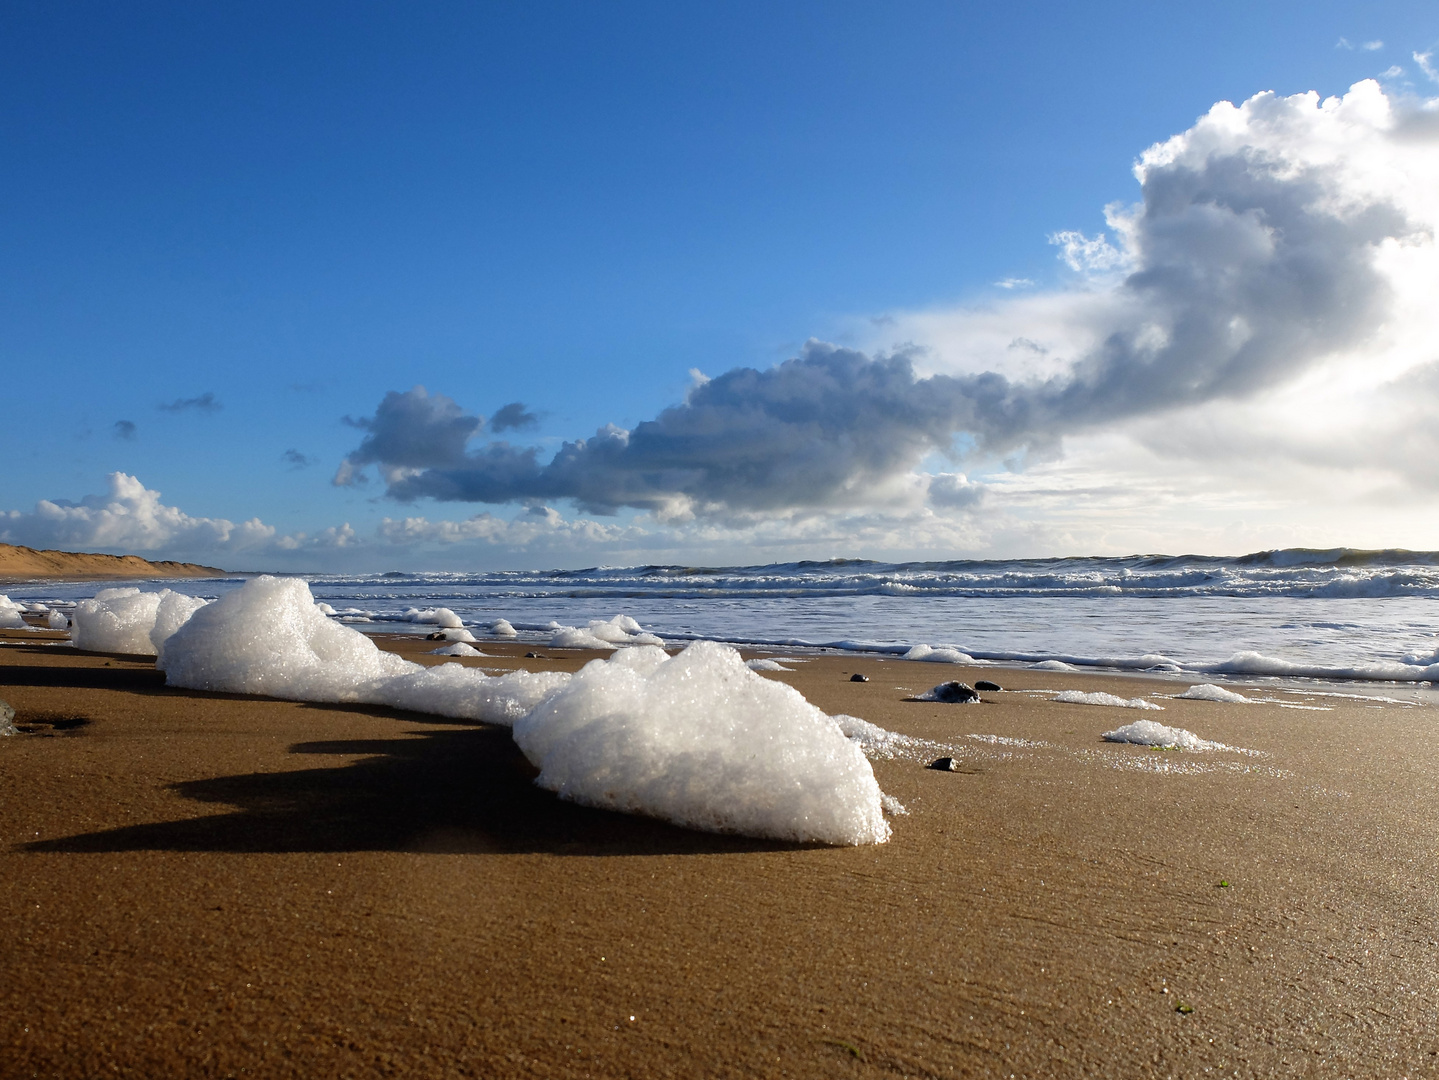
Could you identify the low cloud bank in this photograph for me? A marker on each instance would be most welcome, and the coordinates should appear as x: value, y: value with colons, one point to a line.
x: 131, y: 518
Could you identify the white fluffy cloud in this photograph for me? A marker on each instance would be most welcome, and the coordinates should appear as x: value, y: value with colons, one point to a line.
x: 128, y: 518
x: 133, y: 519
x: 1246, y: 357
x: 1303, y: 231
x: 1269, y: 296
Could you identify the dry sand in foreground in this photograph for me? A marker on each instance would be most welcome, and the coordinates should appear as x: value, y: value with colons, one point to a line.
x: 214, y: 885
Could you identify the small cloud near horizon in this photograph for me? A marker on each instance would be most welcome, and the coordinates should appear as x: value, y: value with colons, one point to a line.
x: 1014, y: 283
x: 204, y: 403
x: 124, y: 429
x: 297, y: 460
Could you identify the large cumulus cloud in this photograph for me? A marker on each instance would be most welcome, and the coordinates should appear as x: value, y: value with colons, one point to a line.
x: 1268, y: 239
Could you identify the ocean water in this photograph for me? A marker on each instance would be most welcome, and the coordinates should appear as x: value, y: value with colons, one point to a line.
x: 1292, y: 614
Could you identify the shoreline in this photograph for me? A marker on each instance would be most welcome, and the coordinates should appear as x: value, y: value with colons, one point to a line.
x: 210, y: 883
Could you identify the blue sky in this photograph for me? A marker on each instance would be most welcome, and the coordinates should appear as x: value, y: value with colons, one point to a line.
x: 228, y: 228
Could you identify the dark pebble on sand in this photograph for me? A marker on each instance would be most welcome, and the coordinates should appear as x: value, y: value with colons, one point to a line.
x: 438, y: 635
x: 988, y: 687
x: 944, y: 764
x: 535, y: 656
x: 857, y: 677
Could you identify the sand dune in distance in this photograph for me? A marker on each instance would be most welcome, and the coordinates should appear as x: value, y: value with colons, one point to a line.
x: 27, y: 564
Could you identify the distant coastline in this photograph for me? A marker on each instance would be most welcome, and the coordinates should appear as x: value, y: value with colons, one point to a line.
x: 27, y: 564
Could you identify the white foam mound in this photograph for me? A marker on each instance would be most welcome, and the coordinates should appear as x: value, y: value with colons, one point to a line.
x: 456, y: 633
x: 442, y: 617
x: 700, y: 740
x: 603, y: 634
x: 458, y: 648
x: 1152, y: 733
x: 942, y: 655
x: 1080, y: 697
x: 10, y: 614
x: 1210, y: 692
x: 764, y: 663
x: 502, y: 628
x: 1052, y: 665
x: 269, y: 637
x: 57, y: 620
x: 127, y: 620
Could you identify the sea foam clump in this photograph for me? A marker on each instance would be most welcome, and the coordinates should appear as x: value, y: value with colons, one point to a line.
x: 697, y: 739
x: 700, y: 740
x: 269, y: 637
x: 458, y: 648
x: 1210, y: 692
x: 765, y: 663
x: 10, y: 614
x: 1080, y: 697
x: 502, y: 628
x: 441, y: 617
x: 127, y: 620
x: 603, y: 634
x: 941, y: 655
x: 1152, y: 733
x: 453, y: 633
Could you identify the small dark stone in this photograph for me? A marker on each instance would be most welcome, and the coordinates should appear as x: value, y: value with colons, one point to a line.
x: 857, y: 677
x: 954, y: 693
x: 438, y: 635
x: 944, y: 764
x: 987, y: 686
x: 535, y: 656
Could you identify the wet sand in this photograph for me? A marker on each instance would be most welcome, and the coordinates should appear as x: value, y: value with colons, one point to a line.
x: 214, y: 885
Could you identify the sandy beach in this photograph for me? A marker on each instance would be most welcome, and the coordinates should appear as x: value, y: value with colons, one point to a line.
x: 217, y: 885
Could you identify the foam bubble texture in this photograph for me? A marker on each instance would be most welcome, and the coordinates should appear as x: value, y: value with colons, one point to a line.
x: 1080, y: 697
x: 459, y: 648
x: 1210, y: 692
x: 603, y: 634
x: 1152, y: 733
x: 269, y: 637
x: 700, y: 740
x: 126, y: 620
x: 441, y: 617
x: 764, y: 663
x: 941, y: 655
x: 10, y: 614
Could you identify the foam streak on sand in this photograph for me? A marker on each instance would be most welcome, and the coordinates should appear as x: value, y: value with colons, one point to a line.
x: 697, y: 739
x: 1080, y: 697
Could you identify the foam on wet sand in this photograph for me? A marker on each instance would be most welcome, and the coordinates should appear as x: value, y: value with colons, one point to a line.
x: 698, y: 739
x: 1114, y: 701
x: 1152, y: 733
